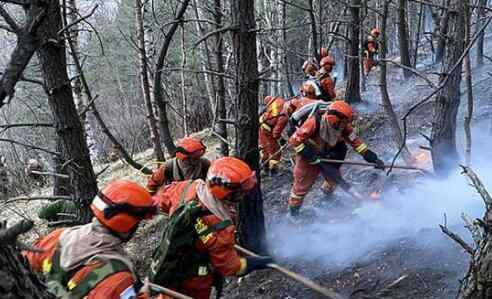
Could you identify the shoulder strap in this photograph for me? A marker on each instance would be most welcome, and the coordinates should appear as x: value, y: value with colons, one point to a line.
x: 216, y: 227
x: 182, y: 196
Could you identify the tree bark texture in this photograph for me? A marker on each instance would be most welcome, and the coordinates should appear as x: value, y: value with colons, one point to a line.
x: 18, y: 280
x: 26, y: 46
x: 403, y: 37
x: 387, y: 105
x: 468, y: 86
x: 444, y: 153
x: 221, y: 127
x: 481, y: 14
x: 52, y: 58
x: 352, y: 92
x: 145, y: 81
x: 443, y: 34
x: 158, y: 89
x: 252, y: 223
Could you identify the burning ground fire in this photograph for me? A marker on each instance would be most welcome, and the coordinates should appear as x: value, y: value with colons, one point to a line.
x: 423, y: 159
x: 375, y: 195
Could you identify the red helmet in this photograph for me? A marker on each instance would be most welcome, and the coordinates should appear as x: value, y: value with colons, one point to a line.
x: 327, y: 61
x: 121, y: 205
x: 323, y: 52
x: 341, y: 108
x: 227, y: 175
x: 309, y: 89
x: 375, y: 32
x: 189, y: 147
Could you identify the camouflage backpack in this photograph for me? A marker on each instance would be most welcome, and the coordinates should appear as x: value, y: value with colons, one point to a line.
x: 61, y: 285
x: 176, y: 259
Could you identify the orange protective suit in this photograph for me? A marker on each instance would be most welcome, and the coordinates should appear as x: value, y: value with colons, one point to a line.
x: 328, y: 87
x: 304, y: 173
x: 112, y: 287
x: 272, y: 123
x: 370, y: 50
x: 178, y: 170
x: 219, y: 244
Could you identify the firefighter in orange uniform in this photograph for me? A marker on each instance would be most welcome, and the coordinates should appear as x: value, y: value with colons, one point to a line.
x: 308, y: 91
x: 311, y: 66
x: 189, y: 164
x: 88, y: 261
x: 324, y: 136
x: 370, y: 47
x: 272, y: 123
x: 327, y: 83
x: 213, y: 254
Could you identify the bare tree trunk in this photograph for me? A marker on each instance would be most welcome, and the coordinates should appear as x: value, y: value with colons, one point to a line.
x: 145, y: 82
x: 444, y: 153
x: 18, y: 280
x: 388, y: 107
x: 52, y: 57
x: 352, y: 93
x: 443, y: 35
x: 481, y: 14
x: 252, y: 223
x: 158, y: 89
x: 403, y: 37
x: 417, y: 36
x: 314, y: 32
x: 183, y: 81
x: 468, y: 86
x: 221, y: 86
x: 361, y: 46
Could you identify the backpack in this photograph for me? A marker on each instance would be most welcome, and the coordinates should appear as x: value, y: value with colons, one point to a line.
x: 175, y: 259
x: 301, y: 115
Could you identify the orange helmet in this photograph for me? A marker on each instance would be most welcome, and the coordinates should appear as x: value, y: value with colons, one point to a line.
x: 375, y: 32
x: 121, y: 205
x: 341, y: 108
x: 228, y: 175
x: 309, y: 89
x: 189, y: 147
x: 327, y: 61
x: 323, y: 52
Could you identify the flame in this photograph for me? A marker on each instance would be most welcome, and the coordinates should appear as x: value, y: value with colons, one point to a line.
x: 375, y: 195
x: 423, y: 159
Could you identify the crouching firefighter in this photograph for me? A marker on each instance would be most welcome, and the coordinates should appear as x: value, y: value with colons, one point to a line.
x: 324, y: 137
x: 89, y: 261
x: 272, y: 122
x: 197, y: 246
x: 189, y: 164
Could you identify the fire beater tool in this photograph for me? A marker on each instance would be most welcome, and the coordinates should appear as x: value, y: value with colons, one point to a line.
x: 308, y: 283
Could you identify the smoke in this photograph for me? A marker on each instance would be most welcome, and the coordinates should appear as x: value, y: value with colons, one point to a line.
x: 378, y: 223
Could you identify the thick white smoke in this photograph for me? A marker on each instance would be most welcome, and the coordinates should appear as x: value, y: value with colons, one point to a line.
x: 379, y: 223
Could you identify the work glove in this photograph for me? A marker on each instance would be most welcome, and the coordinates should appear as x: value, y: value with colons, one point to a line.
x: 257, y: 263
x: 371, y: 157
x: 310, y: 156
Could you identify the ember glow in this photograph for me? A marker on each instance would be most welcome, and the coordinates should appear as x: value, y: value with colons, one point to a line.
x: 423, y: 159
x: 375, y: 195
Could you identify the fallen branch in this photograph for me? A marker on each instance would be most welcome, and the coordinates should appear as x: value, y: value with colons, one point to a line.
x: 53, y: 174
x: 477, y: 184
x: 308, y: 283
x: 457, y: 239
x: 30, y: 146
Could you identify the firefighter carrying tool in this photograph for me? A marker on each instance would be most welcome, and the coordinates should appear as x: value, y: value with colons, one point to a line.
x: 325, y: 137
x: 370, y: 48
x: 197, y: 246
x: 272, y: 122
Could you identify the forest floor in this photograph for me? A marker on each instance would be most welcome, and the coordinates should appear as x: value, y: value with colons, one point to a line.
x: 357, y: 249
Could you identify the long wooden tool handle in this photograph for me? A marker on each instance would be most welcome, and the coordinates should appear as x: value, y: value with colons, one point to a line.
x: 371, y: 164
x: 168, y: 292
x: 308, y: 283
